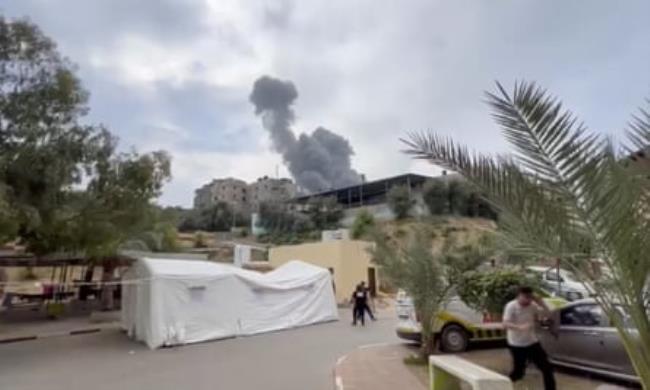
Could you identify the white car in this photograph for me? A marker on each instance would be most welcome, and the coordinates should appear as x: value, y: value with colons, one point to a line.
x: 560, y: 282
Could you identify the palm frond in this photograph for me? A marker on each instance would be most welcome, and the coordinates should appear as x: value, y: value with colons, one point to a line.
x: 638, y: 132
x: 565, y: 193
x: 534, y: 218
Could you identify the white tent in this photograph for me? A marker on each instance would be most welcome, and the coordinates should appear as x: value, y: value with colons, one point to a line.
x: 170, y: 302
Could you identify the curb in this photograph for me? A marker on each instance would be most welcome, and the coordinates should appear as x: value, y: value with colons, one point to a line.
x: 338, y: 381
x: 74, y: 332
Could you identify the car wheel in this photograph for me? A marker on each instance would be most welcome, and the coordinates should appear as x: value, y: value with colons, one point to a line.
x: 454, y: 338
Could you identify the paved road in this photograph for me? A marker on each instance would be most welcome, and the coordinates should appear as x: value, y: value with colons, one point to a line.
x: 299, y: 359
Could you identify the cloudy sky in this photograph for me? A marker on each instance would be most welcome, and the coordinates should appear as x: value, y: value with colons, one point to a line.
x: 176, y: 74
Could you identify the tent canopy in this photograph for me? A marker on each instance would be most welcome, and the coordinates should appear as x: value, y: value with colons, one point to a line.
x: 176, y: 301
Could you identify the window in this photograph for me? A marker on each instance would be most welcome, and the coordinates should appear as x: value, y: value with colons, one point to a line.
x: 583, y: 315
x: 553, y: 276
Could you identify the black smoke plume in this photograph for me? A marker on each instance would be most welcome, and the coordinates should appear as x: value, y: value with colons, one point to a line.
x: 318, y: 161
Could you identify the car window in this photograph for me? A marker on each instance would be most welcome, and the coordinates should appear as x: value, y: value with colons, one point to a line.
x: 553, y: 276
x: 583, y: 315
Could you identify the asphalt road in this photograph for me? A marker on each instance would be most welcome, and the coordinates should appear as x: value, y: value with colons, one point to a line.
x: 297, y: 359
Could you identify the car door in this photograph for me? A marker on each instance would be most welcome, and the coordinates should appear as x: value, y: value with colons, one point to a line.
x: 615, y: 354
x: 581, y: 335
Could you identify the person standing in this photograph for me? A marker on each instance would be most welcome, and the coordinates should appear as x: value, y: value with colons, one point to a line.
x: 519, y: 318
x: 359, y: 301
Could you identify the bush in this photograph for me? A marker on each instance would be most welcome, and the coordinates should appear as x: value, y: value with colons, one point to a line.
x: 436, y: 196
x: 489, y: 290
x: 363, y: 224
x: 400, y: 202
x: 200, y: 241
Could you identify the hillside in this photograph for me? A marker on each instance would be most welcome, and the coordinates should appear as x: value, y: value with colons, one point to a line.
x: 463, y: 230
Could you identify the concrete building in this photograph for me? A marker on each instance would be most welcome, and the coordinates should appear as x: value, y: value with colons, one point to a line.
x: 242, y: 196
x: 349, y: 262
x: 228, y: 190
x: 267, y: 189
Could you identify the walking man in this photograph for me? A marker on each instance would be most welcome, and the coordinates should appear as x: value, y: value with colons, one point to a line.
x: 359, y: 300
x: 519, y: 318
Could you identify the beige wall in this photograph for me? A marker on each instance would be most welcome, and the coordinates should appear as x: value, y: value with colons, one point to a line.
x: 349, y: 259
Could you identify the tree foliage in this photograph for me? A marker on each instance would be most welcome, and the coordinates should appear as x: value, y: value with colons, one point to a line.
x: 63, y: 183
x: 324, y: 213
x: 363, y: 225
x: 489, y: 290
x: 428, y: 277
x: 400, y: 201
x: 436, y: 196
x: 565, y: 193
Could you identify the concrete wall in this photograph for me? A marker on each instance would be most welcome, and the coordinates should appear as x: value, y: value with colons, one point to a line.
x: 349, y: 260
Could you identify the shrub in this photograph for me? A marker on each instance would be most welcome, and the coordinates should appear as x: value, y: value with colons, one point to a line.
x: 490, y: 290
x: 363, y: 224
x: 400, y: 202
x: 436, y: 196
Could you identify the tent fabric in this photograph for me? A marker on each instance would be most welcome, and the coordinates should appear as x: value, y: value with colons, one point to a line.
x: 171, y: 302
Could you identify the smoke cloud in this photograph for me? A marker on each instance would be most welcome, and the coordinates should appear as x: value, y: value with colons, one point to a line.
x: 318, y: 161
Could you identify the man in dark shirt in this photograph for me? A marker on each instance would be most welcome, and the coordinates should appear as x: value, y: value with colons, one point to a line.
x: 359, y: 300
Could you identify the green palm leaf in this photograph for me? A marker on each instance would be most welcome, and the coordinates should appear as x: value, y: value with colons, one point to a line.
x: 565, y: 193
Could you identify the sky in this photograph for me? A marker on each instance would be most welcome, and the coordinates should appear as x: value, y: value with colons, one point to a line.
x: 177, y: 74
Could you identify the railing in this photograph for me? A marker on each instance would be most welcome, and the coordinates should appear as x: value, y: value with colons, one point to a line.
x: 447, y: 372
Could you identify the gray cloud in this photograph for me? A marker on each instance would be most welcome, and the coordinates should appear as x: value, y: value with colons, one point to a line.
x: 317, y: 161
x: 182, y: 70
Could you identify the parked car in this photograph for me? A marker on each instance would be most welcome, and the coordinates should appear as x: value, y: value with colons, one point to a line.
x: 560, y: 282
x: 582, y: 337
x: 456, y: 327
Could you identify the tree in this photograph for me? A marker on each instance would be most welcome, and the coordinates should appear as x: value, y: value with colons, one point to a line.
x: 363, y: 225
x: 66, y: 186
x: 568, y: 193
x: 324, y: 213
x: 277, y: 218
x: 489, y: 290
x: 400, y: 202
x: 428, y: 277
x: 218, y: 218
x: 436, y: 196
x: 458, y: 197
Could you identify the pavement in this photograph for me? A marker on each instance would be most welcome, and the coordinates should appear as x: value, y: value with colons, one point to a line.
x: 378, y: 367
x: 381, y: 367
x: 40, y: 327
x: 297, y: 359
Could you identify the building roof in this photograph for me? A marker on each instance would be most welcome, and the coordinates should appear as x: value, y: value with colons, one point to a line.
x: 375, y: 187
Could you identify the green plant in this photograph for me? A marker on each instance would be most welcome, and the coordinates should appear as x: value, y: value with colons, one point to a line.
x: 489, y: 290
x: 324, y: 213
x: 363, y: 223
x: 400, y: 202
x: 200, y: 241
x: 436, y: 196
x: 568, y: 193
x: 427, y: 277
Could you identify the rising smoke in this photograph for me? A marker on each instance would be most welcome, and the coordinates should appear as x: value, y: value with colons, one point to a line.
x: 318, y: 161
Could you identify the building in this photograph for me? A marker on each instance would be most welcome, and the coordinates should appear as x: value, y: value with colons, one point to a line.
x: 372, y: 196
x: 267, y: 189
x: 228, y: 190
x: 349, y: 262
x: 242, y: 196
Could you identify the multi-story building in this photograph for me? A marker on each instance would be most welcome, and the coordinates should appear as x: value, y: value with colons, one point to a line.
x: 267, y: 189
x: 228, y: 190
x: 244, y: 197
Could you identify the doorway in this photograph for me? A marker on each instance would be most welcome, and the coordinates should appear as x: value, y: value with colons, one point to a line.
x: 372, y: 282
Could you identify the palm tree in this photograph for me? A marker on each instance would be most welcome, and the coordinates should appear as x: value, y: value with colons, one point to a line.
x: 570, y: 194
